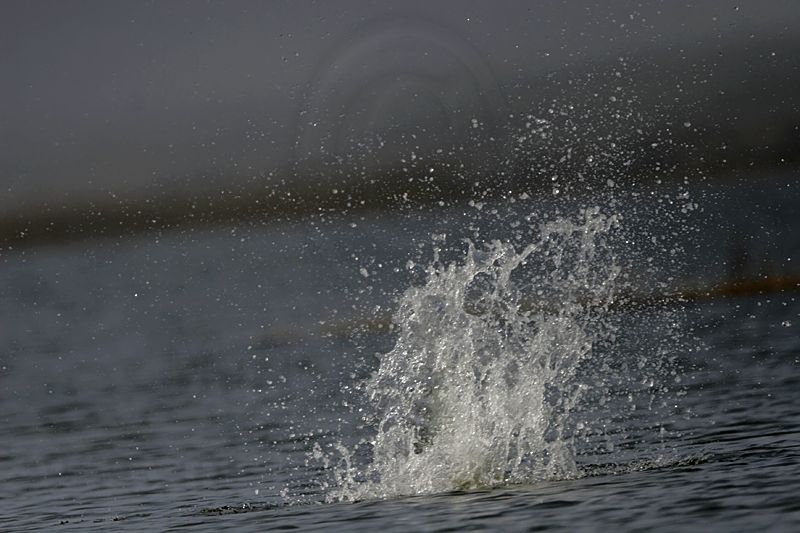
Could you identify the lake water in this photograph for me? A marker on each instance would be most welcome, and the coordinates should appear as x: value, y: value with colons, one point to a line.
x: 376, y: 370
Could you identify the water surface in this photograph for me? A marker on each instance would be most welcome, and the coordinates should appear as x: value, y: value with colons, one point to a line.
x: 186, y: 378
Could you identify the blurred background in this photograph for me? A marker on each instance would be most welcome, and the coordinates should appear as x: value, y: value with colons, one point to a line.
x: 119, y: 117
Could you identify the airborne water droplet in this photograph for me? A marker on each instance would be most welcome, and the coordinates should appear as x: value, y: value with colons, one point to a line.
x: 478, y: 389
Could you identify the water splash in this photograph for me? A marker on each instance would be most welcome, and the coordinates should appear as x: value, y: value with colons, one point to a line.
x: 480, y: 387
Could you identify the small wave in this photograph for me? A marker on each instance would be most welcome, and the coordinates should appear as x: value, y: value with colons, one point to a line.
x: 644, y: 465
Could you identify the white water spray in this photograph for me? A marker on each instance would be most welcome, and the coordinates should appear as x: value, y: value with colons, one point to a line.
x: 479, y: 387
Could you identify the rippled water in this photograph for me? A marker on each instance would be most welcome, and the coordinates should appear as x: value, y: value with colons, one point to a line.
x: 187, y: 378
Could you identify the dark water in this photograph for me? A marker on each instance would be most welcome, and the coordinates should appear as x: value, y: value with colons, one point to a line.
x: 182, y: 379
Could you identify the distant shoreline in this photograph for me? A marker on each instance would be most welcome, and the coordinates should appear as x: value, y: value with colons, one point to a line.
x: 180, y: 211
